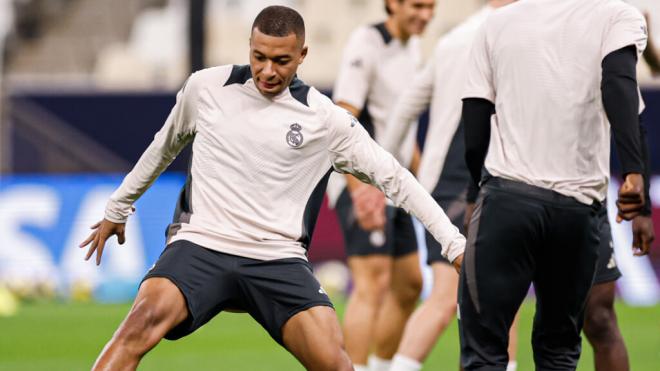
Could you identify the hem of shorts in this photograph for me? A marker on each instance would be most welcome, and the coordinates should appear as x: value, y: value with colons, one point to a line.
x: 299, y: 309
x: 191, y: 316
x: 436, y: 261
x: 607, y: 278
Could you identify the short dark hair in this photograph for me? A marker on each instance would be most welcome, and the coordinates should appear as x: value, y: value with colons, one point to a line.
x: 280, y: 21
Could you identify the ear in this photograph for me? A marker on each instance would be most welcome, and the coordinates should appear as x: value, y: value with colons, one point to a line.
x: 303, y: 54
x: 394, y: 5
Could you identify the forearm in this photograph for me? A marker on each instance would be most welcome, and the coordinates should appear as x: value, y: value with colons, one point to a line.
x: 648, y: 207
x: 410, y: 105
x: 408, y: 194
x: 651, y: 57
x: 621, y: 103
x: 476, y: 120
x: 371, y: 164
x: 150, y: 165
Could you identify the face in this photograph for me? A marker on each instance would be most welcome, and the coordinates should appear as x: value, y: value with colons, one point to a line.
x: 412, y: 16
x: 274, y: 61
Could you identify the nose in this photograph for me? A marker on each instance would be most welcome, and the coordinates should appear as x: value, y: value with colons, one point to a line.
x: 268, y: 70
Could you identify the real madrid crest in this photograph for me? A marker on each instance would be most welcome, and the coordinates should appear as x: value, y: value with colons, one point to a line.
x: 294, y: 137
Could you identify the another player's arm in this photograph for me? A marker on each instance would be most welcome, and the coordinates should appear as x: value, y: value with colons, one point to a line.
x: 175, y: 134
x: 352, y: 151
x: 651, y: 53
x: 478, y: 107
x: 409, y: 106
x: 621, y: 102
x: 642, y: 225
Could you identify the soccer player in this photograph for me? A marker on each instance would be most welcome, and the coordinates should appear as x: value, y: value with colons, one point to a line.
x: 442, y: 171
x: 555, y: 71
x: 381, y: 246
x: 264, y: 144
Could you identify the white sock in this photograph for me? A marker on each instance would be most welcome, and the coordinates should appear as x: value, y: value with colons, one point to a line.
x: 360, y: 368
x: 403, y: 363
x: 512, y: 366
x: 378, y: 364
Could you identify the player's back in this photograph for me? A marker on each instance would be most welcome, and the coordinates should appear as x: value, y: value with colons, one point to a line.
x: 546, y: 59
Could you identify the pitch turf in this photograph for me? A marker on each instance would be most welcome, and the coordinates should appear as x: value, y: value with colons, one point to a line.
x: 59, y: 336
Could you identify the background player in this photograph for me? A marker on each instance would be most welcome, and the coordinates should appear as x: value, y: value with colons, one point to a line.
x: 264, y: 144
x: 549, y: 160
x: 442, y: 171
x: 382, y: 250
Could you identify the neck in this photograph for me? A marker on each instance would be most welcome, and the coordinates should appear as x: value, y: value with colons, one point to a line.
x: 393, y: 28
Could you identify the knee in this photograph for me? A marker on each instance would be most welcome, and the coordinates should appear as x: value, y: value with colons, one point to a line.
x: 408, y: 289
x: 336, y: 360
x: 600, y: 326
x: 372, y: 288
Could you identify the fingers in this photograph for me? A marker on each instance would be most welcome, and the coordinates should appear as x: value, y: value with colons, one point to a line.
x: 88, y: 240
x: 121, y: 238
x: 99, y: 250
x: 92, y: 248
x: 96, y: 225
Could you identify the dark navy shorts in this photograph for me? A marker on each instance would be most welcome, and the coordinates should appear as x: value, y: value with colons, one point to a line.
x: 398, y: 239
x: 271, y: 291
x: 606, y: 270
x: 454, y: 207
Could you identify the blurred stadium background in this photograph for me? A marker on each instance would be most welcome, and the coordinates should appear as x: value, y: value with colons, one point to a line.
x: 84, y: 85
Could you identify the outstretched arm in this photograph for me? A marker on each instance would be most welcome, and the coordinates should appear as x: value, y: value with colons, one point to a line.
x: 175, y: 134
x: 353, y: 151
x: 410, y: 104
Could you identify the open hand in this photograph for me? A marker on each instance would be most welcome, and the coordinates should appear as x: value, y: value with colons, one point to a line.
x: 102, y: 231
x: 643, y: 235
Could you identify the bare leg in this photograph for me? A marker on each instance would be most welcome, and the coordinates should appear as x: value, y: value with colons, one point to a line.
x: 400, y: 302
x: 371, y: 277
x: 158, y: 307
x: 432, y: 317
x: 602, y: 330
x: 314, y: 337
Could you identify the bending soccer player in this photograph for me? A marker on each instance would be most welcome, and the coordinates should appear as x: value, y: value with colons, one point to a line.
x: 442, y: 171
x: 264, y: 144
x: 546, y: 153
x: 380, y: 240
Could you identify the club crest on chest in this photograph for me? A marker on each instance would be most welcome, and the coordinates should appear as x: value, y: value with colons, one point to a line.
x: 294, y: 137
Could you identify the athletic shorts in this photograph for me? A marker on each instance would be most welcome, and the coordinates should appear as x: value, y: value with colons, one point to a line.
x: 399, y: 238
x: 271, y: 291
x: 455, y: 210
x: 606, y: 270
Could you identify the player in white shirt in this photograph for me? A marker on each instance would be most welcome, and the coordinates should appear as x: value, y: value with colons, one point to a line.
x: 560, y: 74
x: 442, y: 171
x: 381, y: 246
x: 263, y: 145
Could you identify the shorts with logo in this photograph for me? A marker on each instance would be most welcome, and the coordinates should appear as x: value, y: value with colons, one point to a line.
x: 271, y: 291
x: 398, y: 239
x: 606, y: 270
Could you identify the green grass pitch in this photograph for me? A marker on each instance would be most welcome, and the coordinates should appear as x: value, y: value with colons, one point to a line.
x: 66, y: 336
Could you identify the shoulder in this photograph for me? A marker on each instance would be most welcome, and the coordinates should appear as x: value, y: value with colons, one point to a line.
x: 327, y: 110
x: 208, y: 77
x: 300, y: 91
x: 617, y: 9
x: 370, y: 35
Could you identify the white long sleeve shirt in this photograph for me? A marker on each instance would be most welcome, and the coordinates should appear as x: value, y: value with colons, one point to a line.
x: 260, y: 165
x: 440, y: 84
